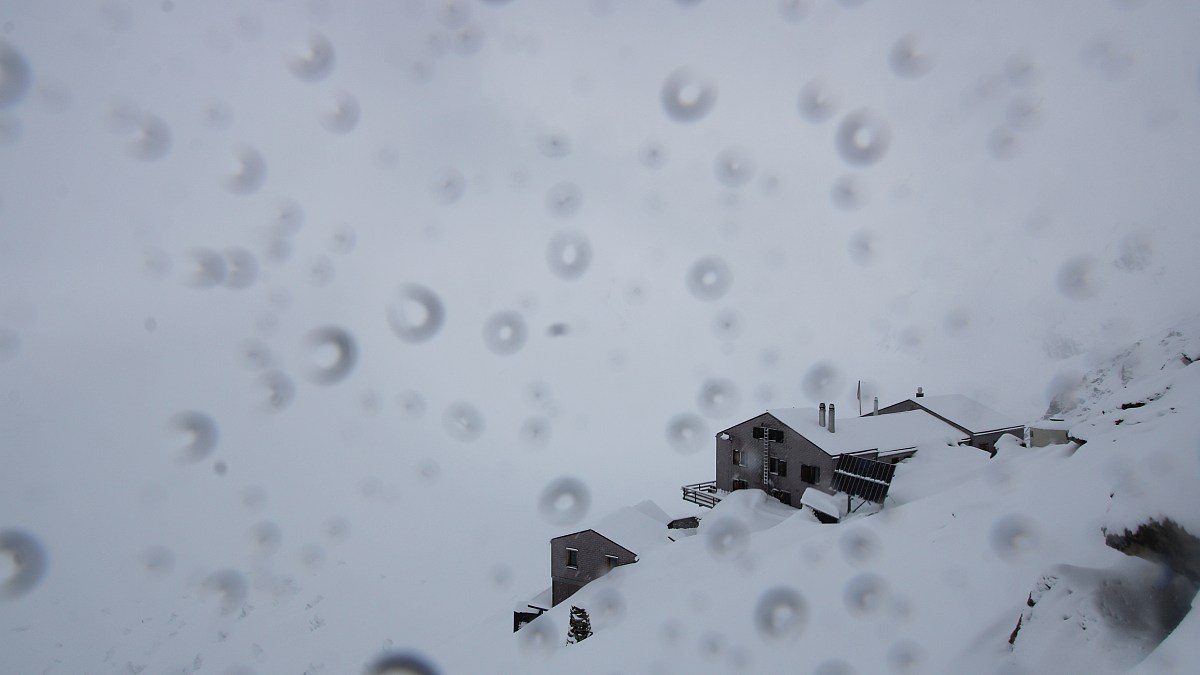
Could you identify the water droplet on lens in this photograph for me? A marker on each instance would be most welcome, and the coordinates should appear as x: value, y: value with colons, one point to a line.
x: 726, y: 537
x: 1075, y: 278
x: 822, y: 381
x: 727, y: 324
x: 415, y: 313
x: 1014, y: 536
x: 569, y: 254
x: 249, y: 172
x: 241, y: 268
x: 734, y: 167
x: 209, y: 268
x: 202, y: 435
x: 150, y: 139
x: 450, y: 186
x: 781, y: 614
x: 1021, y: 70
x: 28, y: 559
x: 687, y: 95
x: 158, y: 560
x: 464, y: 422
x: 535, y: 431
x: 564, y: 501
x: 230, y: 588
x: 315, y: 61
x: 342, y: 115
x: 653, y: 155
x: 505, y: 332
x: 848, y: 193
x: 280, y: 390
x: 540, y: 637
x: 718, y: 397
x: 686, y: 433
x: 402, y: 663
x: 860, y: 545
x: 863, y: 137
x: 709, y: 278
x: 564, y: 199
x: 15, y: 75
x: 865, y: 594
x: 321, y: 341
x: 554, y: 144
x: 266, y: 538
x: 910, y: 57
x: 1022, y: 112
x: 1003, y: 143
x: 793, y: 10
x: 412, y: 405
x: 818, y: 101
x: 906, y: 657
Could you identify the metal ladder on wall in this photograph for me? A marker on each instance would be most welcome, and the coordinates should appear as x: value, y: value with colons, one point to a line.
x: 766, y: 459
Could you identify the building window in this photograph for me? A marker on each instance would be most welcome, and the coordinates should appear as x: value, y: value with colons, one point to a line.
x: 573, y: 558
x: 810, y: 474
x: 770, y: 434
x: 739, y: 458
x: 783, y: 496
x: 778, y: 466
x: 610, y: 561
x: 739, y: 484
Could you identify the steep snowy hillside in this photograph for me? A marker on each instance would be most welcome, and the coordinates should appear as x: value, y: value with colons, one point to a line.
x: 1008, y: 564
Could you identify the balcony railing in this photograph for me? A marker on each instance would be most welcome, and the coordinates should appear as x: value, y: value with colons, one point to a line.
x: 704, y: 494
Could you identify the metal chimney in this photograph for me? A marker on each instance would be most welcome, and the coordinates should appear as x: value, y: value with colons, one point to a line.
x: 831, y: 415
x: 875, y: 410
x: 920, y: 392
x: 821, y: 415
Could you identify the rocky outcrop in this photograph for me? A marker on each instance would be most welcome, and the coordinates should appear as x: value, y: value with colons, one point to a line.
x: 1164, y: 542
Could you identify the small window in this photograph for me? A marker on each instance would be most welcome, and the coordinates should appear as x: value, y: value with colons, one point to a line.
x: 783, y: 496
x: 758, y: 432
x: 739, y: 458
x: 610, y: 561
x: 778, y: 466
x: 810, y: 474
x: 739, y: 484
x: 775, y: 435
x: 572, y: 558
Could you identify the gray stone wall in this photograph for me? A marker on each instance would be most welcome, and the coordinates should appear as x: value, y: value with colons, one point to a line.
x: 796, y: 450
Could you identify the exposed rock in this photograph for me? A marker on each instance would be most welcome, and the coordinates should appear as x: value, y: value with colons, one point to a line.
x: 1163, y: 542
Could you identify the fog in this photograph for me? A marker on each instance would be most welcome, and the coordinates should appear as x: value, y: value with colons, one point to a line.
x: 316, y: 300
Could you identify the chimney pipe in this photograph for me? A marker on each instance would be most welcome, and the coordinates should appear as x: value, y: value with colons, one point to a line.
x: 920, y: 392
x: 831, y: 418
x: 875, y: 411
x: 821, y: 415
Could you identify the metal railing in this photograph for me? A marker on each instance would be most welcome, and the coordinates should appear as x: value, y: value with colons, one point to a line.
x: 704, y: 494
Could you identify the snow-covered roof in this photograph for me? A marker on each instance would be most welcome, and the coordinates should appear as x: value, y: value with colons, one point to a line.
x: 649, y: 508
x: 631, y: 527
x: 966, y: 412
x: 827, y: 504
x: 886, y: 433
x: 542, y: 601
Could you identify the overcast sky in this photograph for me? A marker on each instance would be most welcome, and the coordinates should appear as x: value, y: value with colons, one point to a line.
x: 400, y: 265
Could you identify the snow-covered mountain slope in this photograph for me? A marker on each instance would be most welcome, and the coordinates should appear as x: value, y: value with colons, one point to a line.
x: 978, y: 565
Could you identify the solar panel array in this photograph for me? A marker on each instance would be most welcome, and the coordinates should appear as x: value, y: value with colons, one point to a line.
x: 863, y: 478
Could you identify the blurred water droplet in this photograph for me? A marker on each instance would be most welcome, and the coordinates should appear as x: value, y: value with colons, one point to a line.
x: 688, y: 95
x: 734, y: 167
x: 158, y: 560
x: 540, y: 637
x: 822, y: 381
x: 535, y: 431
x: 906, y: 657
x: 686, y: 433
x: 818, y: 101
x: 1076, y: 278
x: 150, y: 138
x: 1014, y: 536
x: 449, y: 187
x: 726, y: 537
x: 28, y: 563
x: 505, y: 332
x: 412, y: 405
x: 230, y: 587
x: 333, y: 353
x: 910, y: 57
x: 202, y: 435
x: 1002, y: 143
x: 341, y: 116
x: 793, y: 10
x: 1021, y: 70
x: 415, y: 313
x: 848, y: 193
x: 209, y: 269
x: 727, y: 324
x: 249, y: 172
x: 315, y: 61
x: 463, y: 422
x: 220, y: 468
x: 607, y: 607
x: 718, y: 397
x: 863, y: 137
x: 653, y: 155
x: 15, y: 75
x: 241, y: 268
x: 1022, y: 112
x: 554, y: 144
x: 569, y: 253
x: 564, y: 501
x: 564, y: 199
x: 500, y: 575
x: 957, y: 320
x: 865, y: 594
x: 860, y: 545
x: 266, y: 538
x: 709, y: 278
x: 780, y: 614
x: 861, y: 247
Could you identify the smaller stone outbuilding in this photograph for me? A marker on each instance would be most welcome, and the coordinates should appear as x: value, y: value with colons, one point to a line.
x: 982, y: 425
x: 618, y: 539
